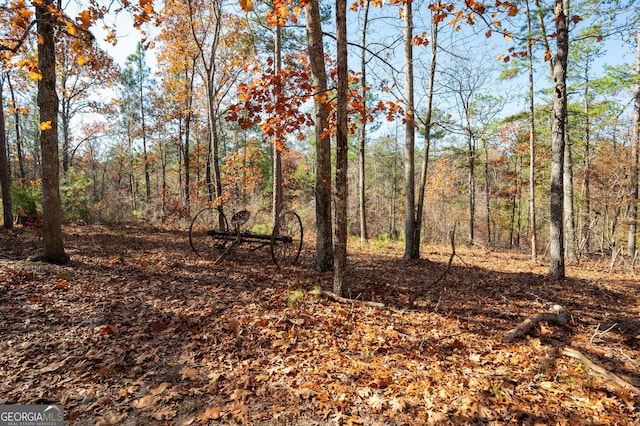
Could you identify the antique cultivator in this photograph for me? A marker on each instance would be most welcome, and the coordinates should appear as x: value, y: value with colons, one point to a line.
x: 212, y: 238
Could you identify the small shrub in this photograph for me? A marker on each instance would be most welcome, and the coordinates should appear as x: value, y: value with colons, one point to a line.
x: 26, y: 199
x: 75, y: 202
x: 294, y: 298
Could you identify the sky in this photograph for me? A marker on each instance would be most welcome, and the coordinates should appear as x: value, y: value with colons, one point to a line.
x: 617, y: 51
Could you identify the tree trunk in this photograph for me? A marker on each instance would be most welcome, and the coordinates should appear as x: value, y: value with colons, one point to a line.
x: 559, y: 119
x: 487, y: 191
x: 323, y: 259
x: 532, y: 147
x: 427, y: 131
x: 16, y: 116
x: 187, y: 137
x: 5, y: 178
x: 215, y: 153
x: 340, y: 280
x: 278, y: 144
x: 471, y: 182
x: 52, y: 240
x: 567, y: 179
x: 362, y: 199
x: 635, y: 156
x: 586, y: 187
x: 411, y: 232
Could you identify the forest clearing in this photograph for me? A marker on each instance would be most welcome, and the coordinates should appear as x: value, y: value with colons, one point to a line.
x: 137, y: 330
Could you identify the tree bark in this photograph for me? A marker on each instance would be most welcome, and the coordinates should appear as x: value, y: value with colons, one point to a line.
x: 362, y: 199
x: 635, y: 157
x: 585, y: 214
x: 567, y: 181
x: 323, y: 260
x: 559, y: 119
x: 427, y: 132
x: 278, y: 190
x: 52, y: 239
x: 5, y: 178
x: 412, y: 235
x: 340, y: 279
x: 532, y: 148
x: 16, y: 117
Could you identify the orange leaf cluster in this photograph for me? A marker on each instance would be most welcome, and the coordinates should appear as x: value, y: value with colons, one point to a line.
x: 283, y: 11
x: 274, y: 103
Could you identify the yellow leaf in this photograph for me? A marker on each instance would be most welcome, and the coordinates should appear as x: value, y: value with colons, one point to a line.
x: 35, y: 75
x: 45, y: 125
x: 71, y: 28
x: 81, y: 60
x: 246, y: 5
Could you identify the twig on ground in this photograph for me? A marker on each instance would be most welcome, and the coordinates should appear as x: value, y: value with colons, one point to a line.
x: 421, y: 292
x: 596, y: 332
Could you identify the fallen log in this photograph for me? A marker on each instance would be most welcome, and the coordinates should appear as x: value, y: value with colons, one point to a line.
x: 570, y: 352
x: 558, y: 315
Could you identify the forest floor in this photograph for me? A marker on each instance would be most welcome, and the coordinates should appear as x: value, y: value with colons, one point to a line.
x: 136, y: 330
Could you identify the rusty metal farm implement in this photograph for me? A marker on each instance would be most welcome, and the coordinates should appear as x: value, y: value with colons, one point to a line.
x: 212, y: 238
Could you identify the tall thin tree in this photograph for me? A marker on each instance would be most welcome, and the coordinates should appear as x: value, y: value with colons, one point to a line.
x: 559, y: 120
x: 635, y: 155
x: 5, y: 178
x: 52, y: 238
x: 412, y: 247
x: 324, y: 256
x: 340, y: 279
x: 533, y: 232
x: 362, y: 199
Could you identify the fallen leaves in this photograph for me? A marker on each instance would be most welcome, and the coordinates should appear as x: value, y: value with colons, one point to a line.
x: 195, y: 343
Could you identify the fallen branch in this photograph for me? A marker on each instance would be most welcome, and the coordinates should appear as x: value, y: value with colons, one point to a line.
x: 570, y: 352
x: 558, y: 315
x: 341, y: 299
x: 452, y: 239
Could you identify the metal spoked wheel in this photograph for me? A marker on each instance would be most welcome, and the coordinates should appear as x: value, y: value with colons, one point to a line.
x: 286, y: 239
x: 207, y: 233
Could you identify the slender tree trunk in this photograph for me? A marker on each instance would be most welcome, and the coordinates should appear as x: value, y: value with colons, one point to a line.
x: 143, y: 123
x: 427, y: 134
x: 16, y: 116
x: 187, y: 137
x: 362, y: 200
x: 278, y: 144
x: 323, y: 259
x: 635, y: 157
x: 64, y: 118
x: 412, y: 234
x: 532, y: 148
x: 52, y: 240
x: 586, y: 188
x: 340, y: 279
x: 132, y: 177
x: 5, y: 178
x: 567, y: 178
x: 471, y: 182
x: 556, y: 231
x: 487, y: 191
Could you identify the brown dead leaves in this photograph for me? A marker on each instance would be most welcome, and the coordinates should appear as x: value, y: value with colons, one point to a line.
x: 138, y: 330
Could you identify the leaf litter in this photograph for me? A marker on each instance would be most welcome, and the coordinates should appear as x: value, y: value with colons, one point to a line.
x: 136, y: 330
